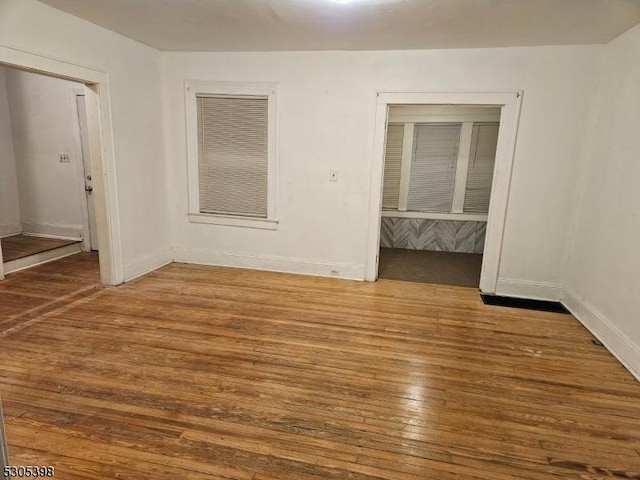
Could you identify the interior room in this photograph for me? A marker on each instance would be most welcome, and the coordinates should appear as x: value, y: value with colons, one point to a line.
x: 47, y: 204
x: 257, y: 167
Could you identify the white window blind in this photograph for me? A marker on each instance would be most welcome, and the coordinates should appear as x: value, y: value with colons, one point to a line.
x: 433, y: 167
x: 484, y: 141
x: 392, y: 165
x: 233, y: 154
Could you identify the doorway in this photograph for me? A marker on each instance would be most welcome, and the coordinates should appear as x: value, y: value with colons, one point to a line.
x: 438, y: 168
x: 97, y: 140
x: 47, y: 199
x: 407, y: 108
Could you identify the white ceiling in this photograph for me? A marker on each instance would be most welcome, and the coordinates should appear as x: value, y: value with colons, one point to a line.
x: 265, y: 25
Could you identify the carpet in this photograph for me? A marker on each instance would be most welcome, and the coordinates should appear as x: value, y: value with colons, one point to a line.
x: 425, y: 266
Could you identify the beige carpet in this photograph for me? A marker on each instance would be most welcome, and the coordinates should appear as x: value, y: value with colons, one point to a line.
x: 423, y: 266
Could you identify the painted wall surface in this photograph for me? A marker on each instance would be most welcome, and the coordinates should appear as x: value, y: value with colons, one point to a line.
x: 326, y: 121
x: 9, y: 200
x: 134, y: 86
x: 44, y: 125
x: 603, y: 274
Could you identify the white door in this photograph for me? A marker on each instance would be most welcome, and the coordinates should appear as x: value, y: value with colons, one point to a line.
x: 86, y: 160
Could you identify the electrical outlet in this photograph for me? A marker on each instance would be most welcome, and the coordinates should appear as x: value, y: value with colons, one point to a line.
x: 64, y: 158
x: 333, y: 175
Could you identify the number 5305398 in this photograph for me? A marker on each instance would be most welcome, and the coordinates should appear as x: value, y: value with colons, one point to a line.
x: 28, y: 472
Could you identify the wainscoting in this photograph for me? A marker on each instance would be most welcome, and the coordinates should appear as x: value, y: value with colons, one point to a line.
x: 436, y: 235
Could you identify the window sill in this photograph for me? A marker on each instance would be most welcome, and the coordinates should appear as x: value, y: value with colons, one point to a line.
x: 231, y: 221
x: 468, y: 217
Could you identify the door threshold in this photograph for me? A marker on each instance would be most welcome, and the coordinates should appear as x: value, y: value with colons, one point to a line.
x: 42, y: 257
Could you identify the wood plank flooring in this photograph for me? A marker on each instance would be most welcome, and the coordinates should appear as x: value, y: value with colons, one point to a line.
x: 197, y: 372
x: 20, y: 246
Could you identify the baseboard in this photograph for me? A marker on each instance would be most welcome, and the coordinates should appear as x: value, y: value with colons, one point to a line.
x: 40, y: 258
x: 527, y: 289
x: 269, y: 263
x: 53, y: 230
x: 147, y: 263
x: 616, y: 341
x: 9, y: 229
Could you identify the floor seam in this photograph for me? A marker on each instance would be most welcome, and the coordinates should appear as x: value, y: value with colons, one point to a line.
x: 23, y: 320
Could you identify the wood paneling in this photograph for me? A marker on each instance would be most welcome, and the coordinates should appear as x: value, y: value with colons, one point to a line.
x: 201, y: 372
x: 20, y: 246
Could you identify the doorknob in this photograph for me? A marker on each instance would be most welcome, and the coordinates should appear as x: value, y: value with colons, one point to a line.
x: 88, y: 189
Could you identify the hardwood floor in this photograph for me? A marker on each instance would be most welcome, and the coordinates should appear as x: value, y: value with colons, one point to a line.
x: 214, y: 373
x: 20, y: 246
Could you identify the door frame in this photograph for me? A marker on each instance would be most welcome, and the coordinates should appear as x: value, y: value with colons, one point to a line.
x: 509, y: 103
x: 103, y: 165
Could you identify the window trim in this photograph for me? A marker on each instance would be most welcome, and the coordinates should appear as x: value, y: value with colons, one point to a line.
x: 463, y: 217
x: 194, y: 88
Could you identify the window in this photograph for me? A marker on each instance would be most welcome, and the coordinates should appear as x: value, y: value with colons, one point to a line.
x: 440, y: 167
x: 392, y: 165
x: 433, y: 167
x: 484, y: 141
x: 231, y: 154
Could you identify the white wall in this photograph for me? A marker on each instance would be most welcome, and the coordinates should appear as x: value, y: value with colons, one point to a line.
x: 326, y: 120
x: 44, y: 125
x: 603, y: 274
x: 9, y: 200
x: 133, y: 71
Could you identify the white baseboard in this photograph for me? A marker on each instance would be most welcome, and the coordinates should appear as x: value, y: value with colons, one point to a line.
x: 616, y: 341
x: 71, y: 232
x: 9, y: 229
x: 40, y: 258
x: 269, y: 263
x: 147, y: 263
x: 528, y: 289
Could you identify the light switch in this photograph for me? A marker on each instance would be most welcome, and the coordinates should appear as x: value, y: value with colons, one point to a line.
x: 333, y: 175
x: 64, y: 158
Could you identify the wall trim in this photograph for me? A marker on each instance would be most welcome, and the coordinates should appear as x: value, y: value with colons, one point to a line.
x: 459, y: 217
x: 198, y: 256
x: 9, y: 229
x: 147, y: 263
x: 616, y: 341
x: 529, y: 289
x: 54, y: 230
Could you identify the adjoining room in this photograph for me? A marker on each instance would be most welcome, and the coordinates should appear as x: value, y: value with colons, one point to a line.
x: 47, y: 185
x: 438, y: 171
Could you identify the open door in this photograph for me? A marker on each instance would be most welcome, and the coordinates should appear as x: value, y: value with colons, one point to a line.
x: 91, y: 237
